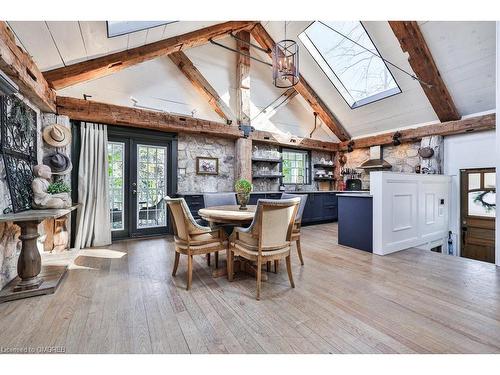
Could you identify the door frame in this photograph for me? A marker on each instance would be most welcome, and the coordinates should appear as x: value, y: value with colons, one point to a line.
x: 134, y: 136
x: 125, y: 132
x: 463, y: 202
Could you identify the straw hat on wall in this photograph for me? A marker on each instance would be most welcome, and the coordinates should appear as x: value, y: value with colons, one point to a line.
x: 57, y: 135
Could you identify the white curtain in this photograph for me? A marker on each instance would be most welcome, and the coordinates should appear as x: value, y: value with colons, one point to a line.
x: 93, y: 226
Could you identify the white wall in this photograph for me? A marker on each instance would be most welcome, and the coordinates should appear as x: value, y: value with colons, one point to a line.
x: 409, y: 210
x: 464, y: 151
x: 497, y: 249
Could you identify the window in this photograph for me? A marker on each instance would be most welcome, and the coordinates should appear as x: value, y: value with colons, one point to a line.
x: 117, y: 28
x: 116, y: 156
x: 296, y: 167
x: 347, y: 55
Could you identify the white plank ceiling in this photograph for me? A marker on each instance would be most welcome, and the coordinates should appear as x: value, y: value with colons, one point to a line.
x: 464, y: 53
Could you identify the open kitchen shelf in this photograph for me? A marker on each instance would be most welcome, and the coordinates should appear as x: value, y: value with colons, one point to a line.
x: 324, y: 179
x: 264, y: 160
x: 324, y: 166
x: 267, y: 176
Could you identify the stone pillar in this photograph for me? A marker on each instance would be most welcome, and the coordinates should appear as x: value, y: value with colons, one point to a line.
x: 434, y: 163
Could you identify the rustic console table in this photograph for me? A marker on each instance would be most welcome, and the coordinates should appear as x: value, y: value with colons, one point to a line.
x: 32, y: 280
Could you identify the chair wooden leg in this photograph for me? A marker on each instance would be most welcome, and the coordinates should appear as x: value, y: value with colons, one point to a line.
x: 190, y: 271
x: 176, y: 263
x: 259, y: 276
x: 299, y: 251
x: 230, y: 264
x: 276, y: 265
x: 289, y: 270
x: 208, y: 259
x: 216, y: 259
x: 268, y: 266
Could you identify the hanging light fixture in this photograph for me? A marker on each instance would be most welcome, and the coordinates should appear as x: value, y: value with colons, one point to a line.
x: 286, y: 63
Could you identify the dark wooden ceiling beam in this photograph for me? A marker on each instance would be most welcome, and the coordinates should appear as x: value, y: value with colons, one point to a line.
x: 103, y: 113
x: 288, y: 140
x: 91, y: 111
x: 201, y: 85
x: 469, y: 125
x: 19, y: 67
x: 421, y: 61
x: 102, y: 66
x: 265, y: 40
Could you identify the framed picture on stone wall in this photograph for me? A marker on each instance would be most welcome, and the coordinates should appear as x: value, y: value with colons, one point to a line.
x: 206, y: 165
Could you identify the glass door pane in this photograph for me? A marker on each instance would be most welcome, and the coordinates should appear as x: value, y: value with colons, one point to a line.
x: 116, y: 158
x: 151, y: 186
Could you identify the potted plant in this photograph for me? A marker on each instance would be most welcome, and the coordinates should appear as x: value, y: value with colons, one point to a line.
x: 243, y: 188
x: 58, y: 187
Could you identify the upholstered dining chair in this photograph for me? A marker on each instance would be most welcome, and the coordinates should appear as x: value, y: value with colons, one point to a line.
x: 267, y: 238
x: 192, y: 238
x: 220, y: 199
x: 298, y: 221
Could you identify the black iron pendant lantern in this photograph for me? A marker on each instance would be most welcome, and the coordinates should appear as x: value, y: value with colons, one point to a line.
x: 286, y: 63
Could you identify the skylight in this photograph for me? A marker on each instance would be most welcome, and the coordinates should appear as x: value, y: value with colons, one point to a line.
x: 347, y: 55
x: 117, y: 28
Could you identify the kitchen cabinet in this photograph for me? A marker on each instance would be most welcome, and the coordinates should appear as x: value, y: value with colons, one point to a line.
x: 320, y: 206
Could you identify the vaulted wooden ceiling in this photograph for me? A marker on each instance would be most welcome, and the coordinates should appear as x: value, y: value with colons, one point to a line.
x: 459, y: 54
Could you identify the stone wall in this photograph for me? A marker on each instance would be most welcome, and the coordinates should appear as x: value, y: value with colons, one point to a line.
x: 192, y: 145
x: 403, y: 158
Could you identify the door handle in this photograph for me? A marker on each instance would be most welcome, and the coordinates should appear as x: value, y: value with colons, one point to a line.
x: 134, y: 192
x: 464, y: 232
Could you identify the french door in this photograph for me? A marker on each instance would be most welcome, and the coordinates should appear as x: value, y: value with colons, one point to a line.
x: 141, y: 176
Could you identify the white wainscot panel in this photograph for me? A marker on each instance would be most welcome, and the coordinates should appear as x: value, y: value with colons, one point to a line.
x: 410, y: 210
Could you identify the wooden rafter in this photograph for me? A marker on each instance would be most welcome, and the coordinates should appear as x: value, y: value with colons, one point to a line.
x: 473, y: 124
x: 92, y: 111
x: 201, y: 85
x: 265, y: 40
x: 19, y: 66
x: 293, y: 141
x: 87, y: 110
x: 105, y: 65
x: 420, y: 58
x: 272, y: 108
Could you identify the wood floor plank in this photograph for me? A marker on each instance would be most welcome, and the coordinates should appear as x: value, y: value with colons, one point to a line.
x: 123, y: 299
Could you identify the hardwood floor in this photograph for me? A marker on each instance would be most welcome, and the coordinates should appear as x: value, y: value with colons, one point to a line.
x: 122, y: 299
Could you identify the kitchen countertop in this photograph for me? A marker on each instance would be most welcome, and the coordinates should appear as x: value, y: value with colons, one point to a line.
x: 357, y: 195
x: 361, y: 192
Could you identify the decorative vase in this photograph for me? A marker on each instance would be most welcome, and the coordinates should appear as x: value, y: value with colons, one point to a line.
x: 243, y: 200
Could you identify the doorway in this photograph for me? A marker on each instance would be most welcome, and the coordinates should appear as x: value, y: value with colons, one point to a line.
x: 477, y: 213
x: 142, y: 173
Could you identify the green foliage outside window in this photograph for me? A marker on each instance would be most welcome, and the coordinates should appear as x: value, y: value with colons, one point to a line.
x: 295, y: 167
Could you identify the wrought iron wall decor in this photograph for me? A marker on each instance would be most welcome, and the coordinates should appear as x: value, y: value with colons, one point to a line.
x: 18, y: 146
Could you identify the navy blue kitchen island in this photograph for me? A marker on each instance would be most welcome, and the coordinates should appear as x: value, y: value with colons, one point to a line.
x: 355, y: 217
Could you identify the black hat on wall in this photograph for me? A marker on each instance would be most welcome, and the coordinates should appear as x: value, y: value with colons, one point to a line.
x: 58, y: 163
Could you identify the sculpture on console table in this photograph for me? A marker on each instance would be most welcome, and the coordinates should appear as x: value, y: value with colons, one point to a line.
x: 41, y: 197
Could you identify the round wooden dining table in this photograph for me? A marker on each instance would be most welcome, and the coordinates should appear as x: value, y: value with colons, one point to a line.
x: 228, y: 214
